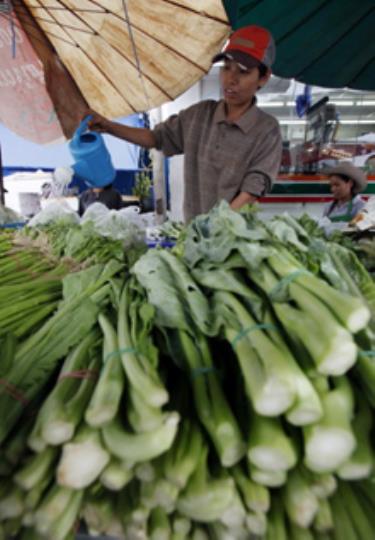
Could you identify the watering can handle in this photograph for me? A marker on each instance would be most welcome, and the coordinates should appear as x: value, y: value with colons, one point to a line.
x: 83, y: 126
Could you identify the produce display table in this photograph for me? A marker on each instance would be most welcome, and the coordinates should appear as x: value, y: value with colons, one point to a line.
x: 88, y: 537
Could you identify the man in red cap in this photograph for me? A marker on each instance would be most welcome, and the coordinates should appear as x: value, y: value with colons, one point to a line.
x: 232, y: 149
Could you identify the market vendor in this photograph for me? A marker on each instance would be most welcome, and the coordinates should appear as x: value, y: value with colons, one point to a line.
x: 346, y: 182
x: 107, y: 195
x: 232, y: 148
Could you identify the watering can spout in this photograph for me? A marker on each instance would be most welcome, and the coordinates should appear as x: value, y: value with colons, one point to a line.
x: 92, y: 160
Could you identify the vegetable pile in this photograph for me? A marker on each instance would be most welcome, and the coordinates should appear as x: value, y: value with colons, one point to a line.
x: 223, y: 389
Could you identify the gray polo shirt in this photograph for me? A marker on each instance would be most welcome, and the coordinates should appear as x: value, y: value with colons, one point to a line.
x: 221, y: 158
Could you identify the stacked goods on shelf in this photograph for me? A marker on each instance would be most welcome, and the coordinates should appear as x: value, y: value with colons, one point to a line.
x: 223, y: 389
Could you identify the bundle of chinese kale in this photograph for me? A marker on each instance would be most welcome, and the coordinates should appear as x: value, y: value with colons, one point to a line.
x: 223, y: 390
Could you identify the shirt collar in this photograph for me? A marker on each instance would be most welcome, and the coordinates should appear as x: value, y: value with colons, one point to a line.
x: 245, y: 123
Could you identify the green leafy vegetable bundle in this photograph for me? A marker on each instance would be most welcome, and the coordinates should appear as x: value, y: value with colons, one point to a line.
x: 220, y: 390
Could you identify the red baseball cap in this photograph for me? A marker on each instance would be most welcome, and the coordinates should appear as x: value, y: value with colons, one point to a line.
x: 249, y: 46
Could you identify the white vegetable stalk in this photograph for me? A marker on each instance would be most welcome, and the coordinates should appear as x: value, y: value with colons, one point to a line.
x: 322, y: 485
x: 205, y: 498
x: 64, y: 421
x: 82, y: 460
x: 159, y: 526
x: 52, y: 507
x: 271, y: 394
x: 270, y: 479
x: 268, y: 380
x: 34, y: 495
x: 140, y: 373
x: 27, y: 520
x: 255, y: 496
x: 11, y: 501
x: 212, y: 406
x: 349, y: 310
x: 234, y: 515
x: 340, y: 352
x: 181, y: 526
x: 220, y: 532
x: 181, y: 460
x: 116, y: 475
x: 199, y: 534
x: 138, y: 447
x: 323, y: 521
x: 98, y: 513
x: 334, y: 352
x: 306, y: 408
x: 63, y: 524
x: 330, y: 442
x: 147, y: 497
x: 146, y: 472
x: 136, y: 532
x: 359, y: 466
x: 361, y: 463
x: 276, y: 529
x: 177, y: 536
x: 142, y: 416
x: 299, y: 533
x: 300, y: 502
x: 270, y: 449
x: 256, y: 523
x: 166, y: 494
x: 63, y: 410
x: 140, y: 515
x: 36, y: 468
x: 159, y: 493
x: 107, y: 394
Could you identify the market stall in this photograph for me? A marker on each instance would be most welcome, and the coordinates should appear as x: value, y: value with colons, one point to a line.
x: 217, y: 386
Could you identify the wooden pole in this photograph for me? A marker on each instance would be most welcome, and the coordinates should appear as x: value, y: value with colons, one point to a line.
x: 160, y: 195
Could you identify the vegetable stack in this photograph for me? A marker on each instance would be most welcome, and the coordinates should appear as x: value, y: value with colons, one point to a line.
x: 220, y: 390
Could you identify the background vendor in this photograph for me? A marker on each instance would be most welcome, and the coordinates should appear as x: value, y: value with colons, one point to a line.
x: 232, y: 148
x: 108, y: 195
x: 346, y: 182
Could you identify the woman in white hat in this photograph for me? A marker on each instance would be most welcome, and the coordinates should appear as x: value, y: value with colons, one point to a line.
x: 346, y: 182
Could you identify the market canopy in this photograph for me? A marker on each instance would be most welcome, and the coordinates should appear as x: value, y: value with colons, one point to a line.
x: 117, y: 56
x: 326, y: 43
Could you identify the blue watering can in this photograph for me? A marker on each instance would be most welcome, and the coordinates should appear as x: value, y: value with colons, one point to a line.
x: 92, y: 160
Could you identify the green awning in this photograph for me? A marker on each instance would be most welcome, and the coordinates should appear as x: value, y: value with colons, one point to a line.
x: 328, y: 43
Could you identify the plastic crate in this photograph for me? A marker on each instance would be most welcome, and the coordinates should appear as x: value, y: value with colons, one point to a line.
x: 18, y: 225
x: 88, y: 537
x: 163, y: 243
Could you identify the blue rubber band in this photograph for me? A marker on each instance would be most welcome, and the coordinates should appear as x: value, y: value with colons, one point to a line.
x: 245, y: 331
x: 367, y: 353
x: 119, y: 352
x: 287, y: 280
x: 204, y: 370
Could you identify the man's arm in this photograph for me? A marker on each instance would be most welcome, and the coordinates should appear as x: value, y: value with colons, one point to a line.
x: 262, y: 169
x: 140, y: 136
x: 242, y: 199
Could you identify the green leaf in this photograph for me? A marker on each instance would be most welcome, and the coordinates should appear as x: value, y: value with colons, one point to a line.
x: 178, y: 300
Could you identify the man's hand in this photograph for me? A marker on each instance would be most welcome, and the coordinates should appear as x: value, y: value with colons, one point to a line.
x: 98, y: 122
x: 242, y: 199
